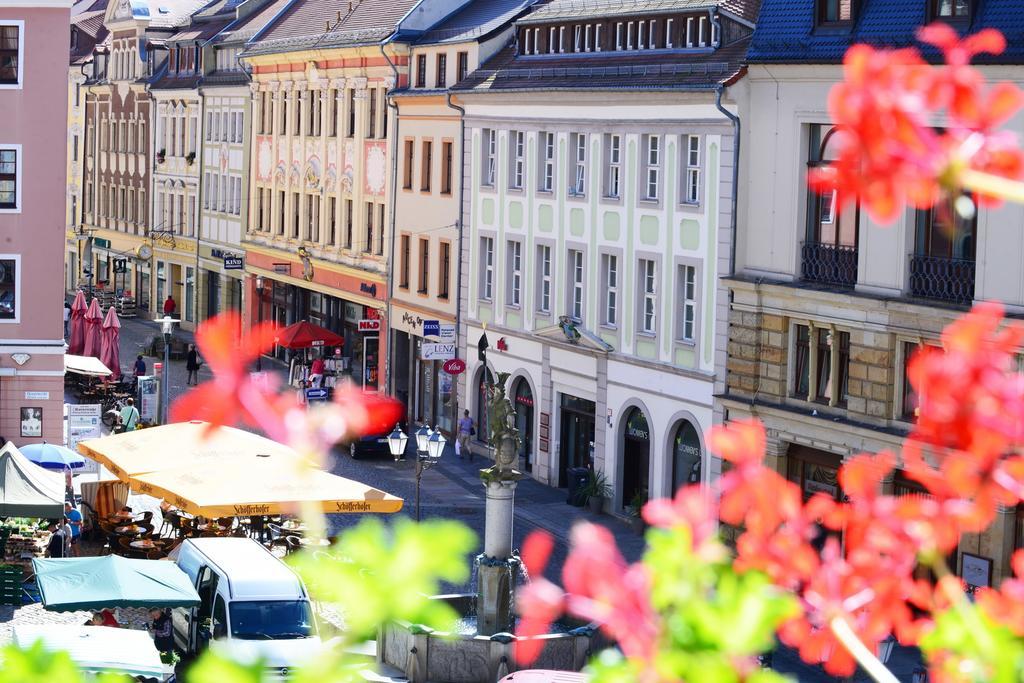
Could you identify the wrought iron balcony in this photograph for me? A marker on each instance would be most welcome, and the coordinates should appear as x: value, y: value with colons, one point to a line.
x: 943, y: 278
x: 829, y: 264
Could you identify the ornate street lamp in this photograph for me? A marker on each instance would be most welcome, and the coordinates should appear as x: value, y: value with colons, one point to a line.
x: 397, y: 441
x: 422, y: 434
x: 435, y: 444
x: 429, y: 446
x: 167, y: 324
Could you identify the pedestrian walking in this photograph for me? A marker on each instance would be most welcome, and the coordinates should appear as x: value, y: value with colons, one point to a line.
x: 466, y: 430
x: 129, y: 416
x: 67, y: 318
x: 140, y: 366
x: 192, y: 364
x: 74, y: 520
x: 170, y: 305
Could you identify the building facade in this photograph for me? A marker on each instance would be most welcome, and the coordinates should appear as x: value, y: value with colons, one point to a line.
x: 33, y: 148
x: 826, y: 306
x: 319, y: 234
x: 597, y: 230
x: 424, y: 307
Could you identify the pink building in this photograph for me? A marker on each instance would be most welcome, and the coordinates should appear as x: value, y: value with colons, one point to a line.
x: 33, y: 168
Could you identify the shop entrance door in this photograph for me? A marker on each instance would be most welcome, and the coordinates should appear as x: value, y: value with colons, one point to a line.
x: 371, y: 358
x: 636, y: 458
x: 576, y: 437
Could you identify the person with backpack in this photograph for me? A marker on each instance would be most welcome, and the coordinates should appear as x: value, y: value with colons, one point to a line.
x: 129, y: 416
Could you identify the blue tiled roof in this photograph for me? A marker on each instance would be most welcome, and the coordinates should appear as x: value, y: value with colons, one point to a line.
x: 786, y: 29
x: 474, y: 20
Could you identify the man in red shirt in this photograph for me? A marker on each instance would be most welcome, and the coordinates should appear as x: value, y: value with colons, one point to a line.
x: 170, y: 306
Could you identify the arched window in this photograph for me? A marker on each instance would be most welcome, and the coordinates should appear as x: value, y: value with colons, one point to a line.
x: 686, y: 455
x: 636, y: 458
x: 523, y: 402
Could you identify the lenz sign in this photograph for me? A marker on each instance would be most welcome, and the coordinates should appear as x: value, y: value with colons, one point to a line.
x: 455, y: 366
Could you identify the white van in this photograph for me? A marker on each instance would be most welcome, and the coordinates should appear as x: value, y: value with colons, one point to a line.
x: 252, y: 603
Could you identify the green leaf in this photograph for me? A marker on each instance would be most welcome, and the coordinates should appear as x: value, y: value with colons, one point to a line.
x: 972, y: 647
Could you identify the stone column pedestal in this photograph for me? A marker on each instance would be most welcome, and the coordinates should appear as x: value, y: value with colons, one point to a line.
x: 496, y: 572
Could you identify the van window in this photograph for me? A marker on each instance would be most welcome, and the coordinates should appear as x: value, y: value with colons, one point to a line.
x: 220, y: 618
x: 207, y: 588
x: 274, y: 620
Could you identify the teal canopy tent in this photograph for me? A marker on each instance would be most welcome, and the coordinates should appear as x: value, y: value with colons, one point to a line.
x: 92, y: 583
x: 26, y: 489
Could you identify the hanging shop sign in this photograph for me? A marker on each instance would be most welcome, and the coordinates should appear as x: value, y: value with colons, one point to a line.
x: 369, y: 325
x: 234, y: 263
x: 430, y: 351
x: 455, y: 366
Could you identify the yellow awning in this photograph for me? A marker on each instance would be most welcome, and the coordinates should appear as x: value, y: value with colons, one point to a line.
x: 263, y: 487
x: 179, y: 445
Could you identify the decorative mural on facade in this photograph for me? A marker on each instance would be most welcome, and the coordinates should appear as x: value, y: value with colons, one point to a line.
x: 376, y: 167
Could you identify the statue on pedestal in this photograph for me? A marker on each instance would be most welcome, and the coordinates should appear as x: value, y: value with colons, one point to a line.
x: 501, y: 419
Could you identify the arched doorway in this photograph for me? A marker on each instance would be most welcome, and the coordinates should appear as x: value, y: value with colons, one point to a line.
x: 636, y: 458
x: 523, y: 402
x: 686, y: 455
x: 484, y: 377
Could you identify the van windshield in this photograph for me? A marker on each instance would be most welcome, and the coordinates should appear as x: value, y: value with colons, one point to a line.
x: 271, y: 620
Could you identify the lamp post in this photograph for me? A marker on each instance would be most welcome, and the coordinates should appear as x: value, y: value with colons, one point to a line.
x: 429, y: 447
x: 167, y: 324
x: 259, y: 316
x: 397, y: 441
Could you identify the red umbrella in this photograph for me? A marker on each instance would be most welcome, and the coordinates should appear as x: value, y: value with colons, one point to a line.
x: 303, y: 335
x: 93, y: 320
x: 77, y: 341
x: 110, y: 333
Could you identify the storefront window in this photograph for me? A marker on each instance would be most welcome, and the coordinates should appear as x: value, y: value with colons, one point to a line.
x: 190, y: 294
x: 142, y: 286
x: 161, y: 282
x: 445, y: 402
x: 686, y: 456
x: 523, y: 402
x: 635, y: 458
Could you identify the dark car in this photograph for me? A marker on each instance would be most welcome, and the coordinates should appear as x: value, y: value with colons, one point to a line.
x: 372, y: 445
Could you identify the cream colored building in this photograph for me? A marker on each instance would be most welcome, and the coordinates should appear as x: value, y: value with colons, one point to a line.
x: 428, y: 204
x: 826, y: 306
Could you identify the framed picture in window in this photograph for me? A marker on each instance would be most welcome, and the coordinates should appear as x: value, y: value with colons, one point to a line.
x: 32, y: 422
x: 976, y: 570
x: 828, y: 208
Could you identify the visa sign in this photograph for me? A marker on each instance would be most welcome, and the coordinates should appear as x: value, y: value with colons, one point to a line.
x: 430, y: 351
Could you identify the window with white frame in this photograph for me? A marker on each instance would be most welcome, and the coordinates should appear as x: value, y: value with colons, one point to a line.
x: 587, y: 33
x: 517, y: 154
x: 561, y: 39
x: 575, y: 289
x: 490, y: 140
x: 619, y: 30
x: 648, y: 296
x: 552, y: 40
x: 629, y: 35
x: 652, y: 161
x: 692, y: 176
x: 689, y: 32
x: 577, y: 38
x: 687, y: 324
x: 10, y: 292
x: 613, y: 173
x: 486, y: 268
x: 597, y: 38
x: 514, y: 267
x: 543, y: 278
x: 10, y: 178
x: 610, y: 285
x: 12, y: 54
x: 578, y: 182
x: 527, y: 47
x: 641, y: 35
x: 547, y: 161
x: 668, y: 33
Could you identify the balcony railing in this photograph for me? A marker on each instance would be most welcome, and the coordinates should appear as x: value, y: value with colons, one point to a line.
x: 829, y: 264
x: 943, y: 278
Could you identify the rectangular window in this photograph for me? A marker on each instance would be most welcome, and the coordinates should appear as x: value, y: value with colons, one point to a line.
x: 692, y: 176
x: 813, y: 361
x: 403, y: 261
x: 544, y: 279
x: 575, y: 273
x: 578, y: 182
x: 547, y: 161
x: 351, y: 132
x: 441, y: 78
x: 10, y: 184
x: 588, y: 33
x: 487, y: 268
x: 945, y: 9
x: 349, y: 228
x: 368, y: 244
x: 687, y: 303
x: 296, y: 204
x: 424, y: 265
x: 597, y: 38
x: 619, y: 28
x: 648, y: 296
x: 689, y: 32
x: 841, y: 11
x: 444, y: 273
x: 371, y: 96
x: 283, y: 121
x: 410, y: 151
x: 209, y: 126
x: 421, y: 71
x: 332, y: 221
x: 332, y: 113
x: 312, y: 222
x: 653, y: 166
x: 381, y: 223
x: 629, y: 35
x: 10, y: 295
x: 517, y: 152
x: 282, y: 214
x: 614, y: 173
x: 297, y: 118
x: 577, y: 38
x: 313, y: 113
x: 514, y: 268
x: 446, y: 167
x: 552, y: 40
x: 702, y: 31
x: 426, y: 165
x: 610, y: 285
x: 908, y: 403
x: 490, y: 138
x: 527, y: 42
x: 462, y: 65
x: 641, y: 35
x: 74, y: 148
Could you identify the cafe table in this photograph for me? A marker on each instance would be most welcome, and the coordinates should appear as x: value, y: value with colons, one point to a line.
x: 294, y: 526
x: 315, y: 542
x: 130, y: 530
x: 143, y: 544
x: 211, y: 527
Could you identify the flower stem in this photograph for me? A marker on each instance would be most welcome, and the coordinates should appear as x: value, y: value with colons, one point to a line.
x: 992, y: 185
x: 865, y: 657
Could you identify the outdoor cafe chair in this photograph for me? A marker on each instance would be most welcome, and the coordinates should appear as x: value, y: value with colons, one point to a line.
x: 123, y: 547
x: 156, y: 554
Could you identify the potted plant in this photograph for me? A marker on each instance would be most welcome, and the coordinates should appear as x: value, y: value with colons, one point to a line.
x: 636, y: 505
x: 596, y: 490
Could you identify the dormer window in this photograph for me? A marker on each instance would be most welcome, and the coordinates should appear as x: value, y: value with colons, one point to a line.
x: 552, y: 37
x: 836, y: 12
x: 950, y: 10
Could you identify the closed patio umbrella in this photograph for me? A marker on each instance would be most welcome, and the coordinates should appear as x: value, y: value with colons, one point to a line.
x: 93, y: 320
x: 76, y: 343
x: 110, y: 335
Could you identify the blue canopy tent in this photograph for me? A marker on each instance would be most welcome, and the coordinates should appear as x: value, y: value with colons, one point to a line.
x: 92, y: 583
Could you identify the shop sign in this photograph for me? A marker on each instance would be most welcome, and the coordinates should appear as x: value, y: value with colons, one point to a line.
x: 283, y: 268
x: 373, y: 314
x: 149, y: 388
x: 367, y: 288
x: 120, y: 266
x: 84, y: 423
x: 636, y: 426
x: 369, y: 325
x: 429, y: 351
x: 431, y: 328
x: 37, y: 395
x: 234, y: 263
x: 101, y: 243
x: 316, y: 394
x: 455, y: 366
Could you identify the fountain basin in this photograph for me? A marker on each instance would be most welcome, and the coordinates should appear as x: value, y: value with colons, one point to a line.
x: 434, y: 656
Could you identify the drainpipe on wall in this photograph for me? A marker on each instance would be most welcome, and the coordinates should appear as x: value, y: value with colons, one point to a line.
x: 459, y: 225
x: 394, y: 197
x: 735, y: 173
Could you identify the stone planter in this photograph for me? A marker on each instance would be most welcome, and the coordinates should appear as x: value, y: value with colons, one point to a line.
x: 595, y: 504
